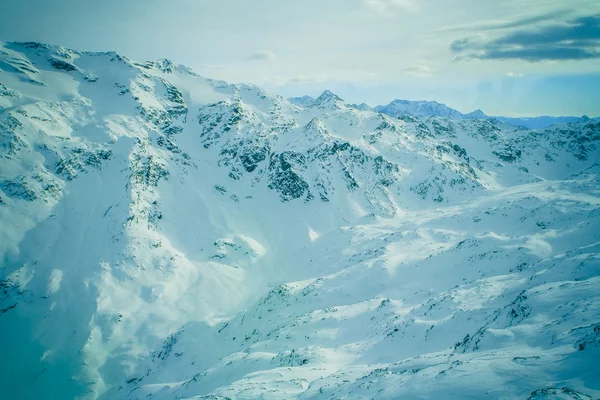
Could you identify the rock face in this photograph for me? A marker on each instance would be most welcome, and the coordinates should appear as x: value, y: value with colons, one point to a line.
x: 167, y: 236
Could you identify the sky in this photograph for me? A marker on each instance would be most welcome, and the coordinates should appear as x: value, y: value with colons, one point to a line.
x: 506, y: 57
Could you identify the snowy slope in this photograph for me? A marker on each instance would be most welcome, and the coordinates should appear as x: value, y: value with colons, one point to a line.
x: 169, y: 236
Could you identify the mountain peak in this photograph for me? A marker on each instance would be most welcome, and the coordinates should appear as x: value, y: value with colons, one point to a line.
x: 477, y: 114
x: 327, y: 95
x: 419, y: 109
x: 165, y: 65
x: 302, y: 100
x: 307, y: 101
x: 362, y: 107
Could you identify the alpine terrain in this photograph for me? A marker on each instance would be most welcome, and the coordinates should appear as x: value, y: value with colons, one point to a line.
x: 167, y: 236
x: 425, y: 109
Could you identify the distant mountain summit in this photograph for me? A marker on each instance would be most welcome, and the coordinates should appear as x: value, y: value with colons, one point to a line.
x: 419, y: 109
x: 542, y: 121
x: 427, y: 109
x: 308, y: 101
x: 302, y: 100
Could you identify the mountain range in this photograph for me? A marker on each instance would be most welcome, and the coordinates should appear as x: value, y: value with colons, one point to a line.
x: 168, y: 236
x: 425, y: 109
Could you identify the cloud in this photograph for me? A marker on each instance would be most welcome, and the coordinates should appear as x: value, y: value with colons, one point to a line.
x: 339, y: 76
x: 389, y: 6
x: 278, y: 80
x: 420, y: 69
x: 497, y: 25
x: 300, y: 79
x: 263, y: 55
x: 576, y: 39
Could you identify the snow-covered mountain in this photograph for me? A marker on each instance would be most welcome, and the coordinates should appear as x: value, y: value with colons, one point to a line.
x: 168, y: 236
x: 425, y: 109
x: 419, y: 109
x: 541, y: 122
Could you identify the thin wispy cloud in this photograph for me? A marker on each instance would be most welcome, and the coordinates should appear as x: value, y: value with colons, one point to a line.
x: 337, y: 76
x: 262, y: 55
x: 420, y: 69
x: 509, y: 24
x: 576, y: 39
x: 390, y: 6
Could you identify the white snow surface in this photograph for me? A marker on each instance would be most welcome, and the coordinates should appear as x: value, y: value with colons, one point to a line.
x: 167, y: 236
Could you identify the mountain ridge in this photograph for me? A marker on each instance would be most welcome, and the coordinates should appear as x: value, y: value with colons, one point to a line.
x: 426, y: 108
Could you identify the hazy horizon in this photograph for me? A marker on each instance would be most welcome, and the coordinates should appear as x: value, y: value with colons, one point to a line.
x: 542, y: 61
